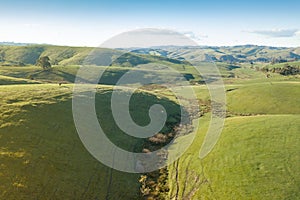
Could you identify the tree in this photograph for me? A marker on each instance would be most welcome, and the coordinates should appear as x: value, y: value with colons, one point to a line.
x: 2, y: 55
x: 273, y: 61
x: 44, y: 62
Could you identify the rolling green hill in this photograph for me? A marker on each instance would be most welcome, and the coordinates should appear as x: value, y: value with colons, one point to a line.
x: 64, y: 55
x: 41, y: 154
x: 256, y: 156
x: 264, y: 98
x: 42, y: 157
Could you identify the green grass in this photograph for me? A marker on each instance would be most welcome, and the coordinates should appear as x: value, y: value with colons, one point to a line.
x: 6, y: 80
x: 110, y: 77
x: 41, y: 155
x: 256, y: 157
x: 64, y: 55
x: 264, y: 98
x: 57, y: 73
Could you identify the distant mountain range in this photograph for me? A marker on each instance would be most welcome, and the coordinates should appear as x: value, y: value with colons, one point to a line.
x: 14, y: 44
x: 243, y: 53
x: 24, y: 53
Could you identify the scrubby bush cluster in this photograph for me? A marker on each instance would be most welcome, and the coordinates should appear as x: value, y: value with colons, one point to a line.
x: 285, y: 70
x: 44, y: 62
x: 154, y: 185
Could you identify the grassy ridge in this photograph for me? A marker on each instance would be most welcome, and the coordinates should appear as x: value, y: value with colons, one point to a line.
x: 242, y: 53
x: 6, y: 80
x: 64, y: 55
x: 110, y: 76
x: 41, y: 154
x: 256, y: 156
x: 264, y: 98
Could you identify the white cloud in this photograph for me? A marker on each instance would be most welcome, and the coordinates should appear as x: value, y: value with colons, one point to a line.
x: 149, y: 38
x: 194, y: 36
x: 277, y: 32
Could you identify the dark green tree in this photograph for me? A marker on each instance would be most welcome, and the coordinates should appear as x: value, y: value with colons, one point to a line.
x: 44, y: 62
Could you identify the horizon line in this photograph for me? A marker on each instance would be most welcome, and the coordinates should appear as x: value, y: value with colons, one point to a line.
x: 11, y: 43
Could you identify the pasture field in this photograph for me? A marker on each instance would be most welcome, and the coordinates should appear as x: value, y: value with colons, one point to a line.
x: 42, y: 157
x: 41, y: 154
x: 257, y: 155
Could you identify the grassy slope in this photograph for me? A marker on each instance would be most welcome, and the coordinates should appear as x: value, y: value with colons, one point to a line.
x: 265, y: 98
x: 258, y: 138
x: 110, y: 76
x: 64, y: 55
x: 41, y: 155
x: 58, y: 73
x: 48, y: 160
x: 29, y: 54
x: 257, y: 157
x: 253, y: 159
x: 6, y: 80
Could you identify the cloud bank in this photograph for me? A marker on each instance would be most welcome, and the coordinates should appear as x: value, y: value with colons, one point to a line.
x: 277, y: 32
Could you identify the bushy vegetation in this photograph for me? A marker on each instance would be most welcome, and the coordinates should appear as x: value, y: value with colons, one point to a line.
x: 44, y: 62
x: 286, y: 70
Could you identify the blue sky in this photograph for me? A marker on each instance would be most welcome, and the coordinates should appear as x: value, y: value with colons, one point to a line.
x: 89, y: 23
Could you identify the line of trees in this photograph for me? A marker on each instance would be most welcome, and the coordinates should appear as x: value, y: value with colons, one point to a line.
x: 286, y: 70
